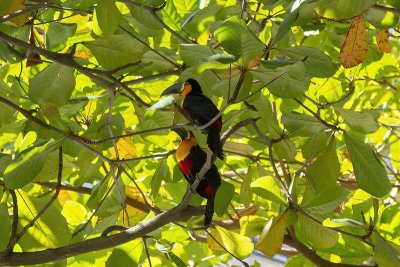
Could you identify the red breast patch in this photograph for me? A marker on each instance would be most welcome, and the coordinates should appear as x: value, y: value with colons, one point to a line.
x: 209, y: 191
x: 186, y: 165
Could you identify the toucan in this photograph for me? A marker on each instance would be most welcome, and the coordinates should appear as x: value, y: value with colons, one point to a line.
x: 201, y: 110
x: 191, y: 159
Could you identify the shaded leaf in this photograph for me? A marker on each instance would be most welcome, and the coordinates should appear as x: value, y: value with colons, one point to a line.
x: 370, y: 174
x: 53, y: 85
x: 386, y: 253
x: 361, y: 121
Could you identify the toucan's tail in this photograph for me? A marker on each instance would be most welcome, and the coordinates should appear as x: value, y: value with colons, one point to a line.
x: 214, y: 141
x: 209, y: 211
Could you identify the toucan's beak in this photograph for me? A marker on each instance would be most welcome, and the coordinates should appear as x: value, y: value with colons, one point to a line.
x: 183, y: 134
x: 173, y: 89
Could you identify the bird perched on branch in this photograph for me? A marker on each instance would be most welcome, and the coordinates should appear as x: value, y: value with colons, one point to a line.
x: 201, y: 110
x: 191, y: 159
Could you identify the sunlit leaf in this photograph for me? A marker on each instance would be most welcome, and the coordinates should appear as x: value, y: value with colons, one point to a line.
x: 271, y: 239
x: 238, y: 245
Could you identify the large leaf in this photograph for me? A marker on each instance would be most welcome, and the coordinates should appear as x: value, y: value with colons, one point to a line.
x: 51, y: 230
x: 223, y: 198
x: 237, y: 39
x: 238, y: 245
x: 53, y: 85
x: 325, y: 170
x: 327, y: 200
x: 386, y: 253
x: 318, y: 235
x: 106, y: 18
x: 286, y: 24
x: 25, y: 168
x: 291, y: 83
x: 302, y: 124
x: 246, y: 193
x: 361, y: 121
x: 370, y: 174
x: 192, y: 53
x: 317, y: 63
x: 58, y: 34
x: 342, y: 9
x: 268, y: 188
x: 5, y: 226
x: 271, y: 239
x: 116, y: 51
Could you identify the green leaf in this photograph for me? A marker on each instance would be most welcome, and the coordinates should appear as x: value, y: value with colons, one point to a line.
x: 119, y: 257
x: 178, y: 261
x: 236, y: 38
x: 5, y: 226
x: 58, y: 34
x: 320, y: 236
x: 53, y: 85
x: 325, y: 170
x: 326, y: 200
x: 317, y: 63
x: 161, y: 173
x: 223, y: 198
x: 271, y: 239
x: 170, y: 16
x: 238, y: 245
x: 342, y: 222
x: 290, y: 84
x: 301, y: 124
x: 116, y: 51
x: 106, y: 18
x: 53, y: 230
x: 361, y: 121
x: 381, y: 19
x: 246, y: 194
x: 218, y: 61
x: 370, y: 174
x: 386, y: 253
x: 267, y: 187
x: 26, y: 167
x: 192, y: 53
x: 286, y: 24
x: 342, y: 9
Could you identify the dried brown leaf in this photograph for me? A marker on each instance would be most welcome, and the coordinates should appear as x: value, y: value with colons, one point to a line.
x: 355, y: 47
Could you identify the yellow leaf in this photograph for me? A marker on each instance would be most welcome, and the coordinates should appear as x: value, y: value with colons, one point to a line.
x: 271, y: 238
x: 15, y: 6
x: 238, y: 245
x: 382, y: 39
x: 354, y: 48
x: 126, y: 148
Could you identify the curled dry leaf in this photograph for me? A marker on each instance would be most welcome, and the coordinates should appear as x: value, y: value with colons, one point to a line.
x: 354, y: 48
x: 382, y: 38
